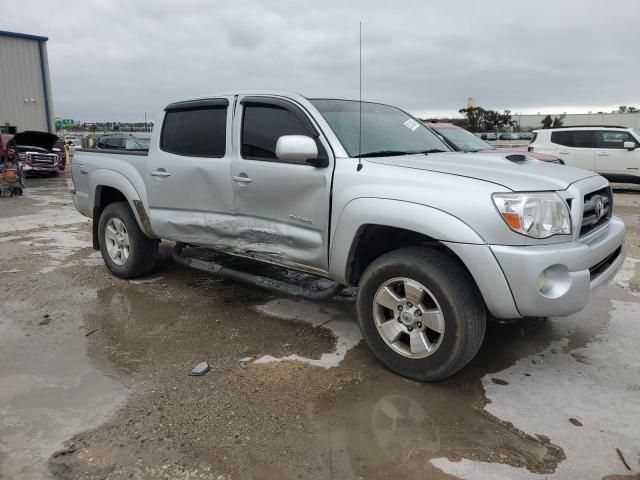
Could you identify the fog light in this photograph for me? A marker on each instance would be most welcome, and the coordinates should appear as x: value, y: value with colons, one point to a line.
x: 554, y: 281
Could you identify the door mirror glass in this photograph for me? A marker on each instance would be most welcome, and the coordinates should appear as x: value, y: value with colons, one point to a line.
x: 296, y: 148
x: 630, y: 145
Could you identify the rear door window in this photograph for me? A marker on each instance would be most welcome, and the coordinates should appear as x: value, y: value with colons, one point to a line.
x: 195, y: 132
x: 574, y: 138
x: 614, y: 139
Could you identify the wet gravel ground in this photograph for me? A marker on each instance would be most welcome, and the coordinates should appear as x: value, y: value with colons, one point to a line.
x: 94, y: 376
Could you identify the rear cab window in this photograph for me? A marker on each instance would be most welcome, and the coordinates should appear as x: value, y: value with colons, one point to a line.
x: 195, y: 128
x: 574, y: 138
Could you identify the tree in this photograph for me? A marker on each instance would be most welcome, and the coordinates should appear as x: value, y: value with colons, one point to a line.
x: 622, y: 109
x: 633, y: 110
x: 505, y: 119
x: 547, y: 121
x: 491, y: 120
x: 474, y: 117
x: 558, y: 121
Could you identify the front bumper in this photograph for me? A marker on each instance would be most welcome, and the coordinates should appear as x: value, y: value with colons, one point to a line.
x: 558, y: 279
x: 41, y: 168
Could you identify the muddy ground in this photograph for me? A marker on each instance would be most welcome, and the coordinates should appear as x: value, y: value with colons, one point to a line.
x: 94, y: 376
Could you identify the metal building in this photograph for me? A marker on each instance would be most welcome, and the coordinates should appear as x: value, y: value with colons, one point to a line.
x: 25, y: 87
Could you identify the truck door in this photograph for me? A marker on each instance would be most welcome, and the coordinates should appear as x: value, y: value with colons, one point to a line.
x: 282, y: 207
x: 612, y: 157
x: 187, y: 174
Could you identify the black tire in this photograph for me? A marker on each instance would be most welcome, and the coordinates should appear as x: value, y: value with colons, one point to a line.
x: 457, y: 295
x: 143, y: 251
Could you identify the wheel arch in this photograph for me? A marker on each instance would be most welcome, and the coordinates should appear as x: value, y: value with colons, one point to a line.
x: 109, y: 187
x: 367, y: 230
x: 370, y: 227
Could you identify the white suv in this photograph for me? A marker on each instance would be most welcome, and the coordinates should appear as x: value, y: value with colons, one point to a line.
x: 613, y: 152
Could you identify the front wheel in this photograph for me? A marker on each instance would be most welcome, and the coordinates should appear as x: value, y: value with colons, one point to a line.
x: 126, y: 250
x: 421, y: 313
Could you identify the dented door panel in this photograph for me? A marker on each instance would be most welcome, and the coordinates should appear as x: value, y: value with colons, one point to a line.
x: 283, y: 212
x: 191, y: 198
x: 282, y: 209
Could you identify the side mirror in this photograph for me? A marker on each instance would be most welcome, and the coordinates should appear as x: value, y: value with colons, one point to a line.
x: 299, y: 148
x: 630, y: 145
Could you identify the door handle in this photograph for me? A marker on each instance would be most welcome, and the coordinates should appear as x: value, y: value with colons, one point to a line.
x: 563, y: 152
x: 242, y: 178
x: 161, y: 172
x: 602, y: 154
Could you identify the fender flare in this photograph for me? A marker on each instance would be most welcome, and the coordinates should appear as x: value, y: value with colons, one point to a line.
x: 415, y: 217
x: 113, y: 179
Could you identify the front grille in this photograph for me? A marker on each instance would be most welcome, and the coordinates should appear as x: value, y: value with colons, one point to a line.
x: 598, y: 207
x: 601, y: 266
x: 42, y: 158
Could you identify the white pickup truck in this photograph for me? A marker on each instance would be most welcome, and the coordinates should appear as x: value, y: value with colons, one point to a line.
x: 364, y: 195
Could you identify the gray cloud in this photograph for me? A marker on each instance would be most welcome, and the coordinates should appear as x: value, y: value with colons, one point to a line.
x: 118, y: 59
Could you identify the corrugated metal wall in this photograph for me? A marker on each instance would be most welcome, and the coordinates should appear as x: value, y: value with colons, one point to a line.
x: 21, y: 79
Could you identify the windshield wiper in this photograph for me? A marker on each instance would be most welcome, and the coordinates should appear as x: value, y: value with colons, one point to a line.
x: 385, y: 153
x: 431, y: 150
x: 391, y: 153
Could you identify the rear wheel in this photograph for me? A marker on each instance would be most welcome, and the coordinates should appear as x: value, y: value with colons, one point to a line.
x: 126, y: 250
x: 421, y: 313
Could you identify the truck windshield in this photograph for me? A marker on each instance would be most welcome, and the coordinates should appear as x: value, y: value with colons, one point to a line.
x: 386, y: 130
x: 463, y: 140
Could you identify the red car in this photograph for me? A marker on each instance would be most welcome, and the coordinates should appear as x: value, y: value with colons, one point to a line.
x: 462, y: 140
x: 35, y: 151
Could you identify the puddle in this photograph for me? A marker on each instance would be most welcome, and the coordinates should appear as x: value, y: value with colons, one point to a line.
x: 597, y: 384
x: 49, y: 389
x: 146, y: 325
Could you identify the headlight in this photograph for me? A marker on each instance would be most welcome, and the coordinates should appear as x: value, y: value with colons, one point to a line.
x: 537, y: 215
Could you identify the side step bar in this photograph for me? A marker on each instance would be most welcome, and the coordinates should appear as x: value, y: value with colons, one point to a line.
x: 256, y: 280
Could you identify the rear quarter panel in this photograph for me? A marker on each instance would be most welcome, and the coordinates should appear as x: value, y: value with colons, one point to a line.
x: 123, y: 172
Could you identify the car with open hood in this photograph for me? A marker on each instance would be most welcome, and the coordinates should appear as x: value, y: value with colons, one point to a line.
x: 36, y: 152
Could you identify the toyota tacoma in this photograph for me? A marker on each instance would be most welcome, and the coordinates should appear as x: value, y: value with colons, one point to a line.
x: 364, y: 195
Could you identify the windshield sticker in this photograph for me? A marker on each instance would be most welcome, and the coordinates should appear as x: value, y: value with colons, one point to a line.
x: 411, y: 124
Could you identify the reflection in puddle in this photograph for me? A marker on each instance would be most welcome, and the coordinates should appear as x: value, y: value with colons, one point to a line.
x: 388, y: 426
x: 49, y: 389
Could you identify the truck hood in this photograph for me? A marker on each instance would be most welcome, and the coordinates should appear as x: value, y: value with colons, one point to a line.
x: 32, y: 138
x: 517, y: 172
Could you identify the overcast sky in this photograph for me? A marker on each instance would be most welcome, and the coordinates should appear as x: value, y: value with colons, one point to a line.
x: 114, y: 60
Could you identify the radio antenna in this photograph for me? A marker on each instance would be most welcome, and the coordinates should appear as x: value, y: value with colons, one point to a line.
x: 360, y: 105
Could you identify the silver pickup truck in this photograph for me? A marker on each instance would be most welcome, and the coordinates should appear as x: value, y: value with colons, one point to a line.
x: 364, y: 195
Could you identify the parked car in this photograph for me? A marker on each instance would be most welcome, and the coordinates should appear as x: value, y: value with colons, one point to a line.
x: 58, y: 148
x: 35, y: 152
x: 122, y: 142
x: 462, y: 140
x: 4, y: 139
x: 491, y: 136
x: 433, y: 240
x: 509, y: 136
x: 610, y: 151
x: 526, y: 136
